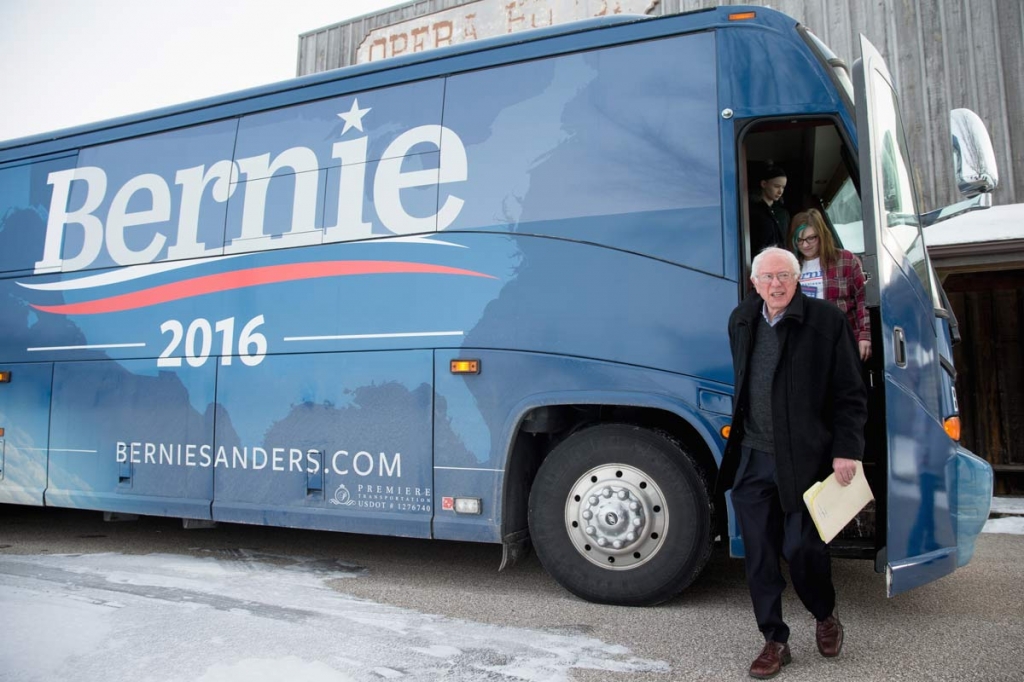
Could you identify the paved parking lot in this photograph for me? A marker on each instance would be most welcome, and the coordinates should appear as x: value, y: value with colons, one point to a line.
x: 148, y: 600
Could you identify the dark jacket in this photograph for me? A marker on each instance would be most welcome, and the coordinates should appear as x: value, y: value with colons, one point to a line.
x: 769, y: 225
x: 819, y: 402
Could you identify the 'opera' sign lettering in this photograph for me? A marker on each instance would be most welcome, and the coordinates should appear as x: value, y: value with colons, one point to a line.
x: 252, y: 175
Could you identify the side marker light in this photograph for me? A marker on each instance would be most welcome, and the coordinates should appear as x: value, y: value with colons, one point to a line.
x: 465, y: 366
x: 5, y: 377
x: 952, y: 426
x: 725, y: 431
x: 742, y: 16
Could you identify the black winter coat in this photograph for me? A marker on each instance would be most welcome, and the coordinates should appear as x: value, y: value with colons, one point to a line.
x: 769, y: 225
x: 819, y: 402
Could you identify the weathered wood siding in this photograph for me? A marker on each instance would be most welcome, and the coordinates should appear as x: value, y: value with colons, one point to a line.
x: 943, y: 54
x: 990, y: 366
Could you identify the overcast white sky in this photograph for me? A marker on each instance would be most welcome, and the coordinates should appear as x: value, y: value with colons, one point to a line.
x: 68, y: 62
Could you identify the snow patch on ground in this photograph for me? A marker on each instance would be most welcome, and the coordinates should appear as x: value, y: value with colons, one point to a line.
x: 220, y: 619
x: 1007, y: 505
x: 287, y: 668
x: 1013, y: 522
x: 1013, y: 525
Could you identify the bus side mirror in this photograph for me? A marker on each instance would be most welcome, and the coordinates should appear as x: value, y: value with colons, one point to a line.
x: 974, y: 161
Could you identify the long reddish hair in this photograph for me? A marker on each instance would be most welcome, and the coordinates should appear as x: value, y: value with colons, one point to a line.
x: 828, y: 252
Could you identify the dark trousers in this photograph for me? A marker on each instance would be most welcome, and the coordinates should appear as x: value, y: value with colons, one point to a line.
x: 768, y: 534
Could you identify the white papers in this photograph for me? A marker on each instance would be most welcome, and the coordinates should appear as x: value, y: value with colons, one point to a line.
x: 832, y: 506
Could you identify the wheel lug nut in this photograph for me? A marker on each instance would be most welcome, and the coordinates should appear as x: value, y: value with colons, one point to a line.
x: 631, y: 536
x: 637, y: 523
x: 607, y: 492
x: 591, y: 530
x: 592, y: 500
x: 602, y: 542
x: 633, y: 506
x: 617, y: 544
x: 623, y: 494
x: 587, y: 514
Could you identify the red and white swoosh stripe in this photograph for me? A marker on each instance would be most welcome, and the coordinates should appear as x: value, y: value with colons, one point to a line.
x: 240, y: 279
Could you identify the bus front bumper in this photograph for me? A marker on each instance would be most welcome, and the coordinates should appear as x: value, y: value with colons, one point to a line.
x: 973, y: 501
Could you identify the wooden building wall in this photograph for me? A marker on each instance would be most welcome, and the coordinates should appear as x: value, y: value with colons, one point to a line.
x: 944, y: 54
x: 990, y: 369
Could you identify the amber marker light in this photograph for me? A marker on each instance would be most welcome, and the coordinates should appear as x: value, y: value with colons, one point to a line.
x: 5, y: 377
x: 952, y: 426
x: 465, y: 366
x: 742, y: 16
x: 1, y: 432
x: 725, y: 431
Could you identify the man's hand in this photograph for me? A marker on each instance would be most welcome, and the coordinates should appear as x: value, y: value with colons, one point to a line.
x: 845, y: 470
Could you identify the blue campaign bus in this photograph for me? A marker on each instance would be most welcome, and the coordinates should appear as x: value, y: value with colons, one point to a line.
x: 474, y: 294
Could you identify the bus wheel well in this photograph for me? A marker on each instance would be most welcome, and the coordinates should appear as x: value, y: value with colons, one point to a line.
x: 543, y: 428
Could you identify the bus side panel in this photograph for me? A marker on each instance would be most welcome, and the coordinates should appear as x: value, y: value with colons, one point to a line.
x: 127, y: 437
x: 329, y: 441
x: 616, y: 147
x: 24, y: 417
x: 25, y: 401
x: 765, y: 75
x: 586, y: 301
x: 477, y: 416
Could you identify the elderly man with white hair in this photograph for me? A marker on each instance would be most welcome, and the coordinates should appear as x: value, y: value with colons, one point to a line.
x: 798, y: 415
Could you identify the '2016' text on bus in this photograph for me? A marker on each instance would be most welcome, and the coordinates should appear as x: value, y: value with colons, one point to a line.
x: 476, y: 294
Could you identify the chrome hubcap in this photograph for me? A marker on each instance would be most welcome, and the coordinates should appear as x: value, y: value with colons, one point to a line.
x: 616, y: 516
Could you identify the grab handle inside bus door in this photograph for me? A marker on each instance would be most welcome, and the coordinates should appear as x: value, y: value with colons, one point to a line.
x: 899, y: 345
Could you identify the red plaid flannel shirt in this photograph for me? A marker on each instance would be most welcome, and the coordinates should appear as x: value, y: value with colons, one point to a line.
x: 844, y: 286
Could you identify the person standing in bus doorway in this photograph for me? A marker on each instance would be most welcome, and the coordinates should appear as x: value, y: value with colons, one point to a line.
x: 769, y: 219
x: 799, y: 412
x: 831, y: 273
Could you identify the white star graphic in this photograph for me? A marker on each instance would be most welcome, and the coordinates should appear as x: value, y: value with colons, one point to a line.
x: 353, y: 118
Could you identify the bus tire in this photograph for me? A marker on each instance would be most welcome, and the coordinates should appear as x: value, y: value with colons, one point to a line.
x: 621, y: 515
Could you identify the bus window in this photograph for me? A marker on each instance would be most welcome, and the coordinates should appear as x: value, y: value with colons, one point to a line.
x: 844, y: 211
x: 899, y: 204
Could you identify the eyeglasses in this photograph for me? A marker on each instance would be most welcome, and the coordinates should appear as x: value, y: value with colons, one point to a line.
x: 782, y: 277
x: 807, y: 240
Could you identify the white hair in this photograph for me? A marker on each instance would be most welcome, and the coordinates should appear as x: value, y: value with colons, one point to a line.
x: 794, y: 264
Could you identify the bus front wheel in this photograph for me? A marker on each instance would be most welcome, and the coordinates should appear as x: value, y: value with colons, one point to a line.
x: 621, y: 515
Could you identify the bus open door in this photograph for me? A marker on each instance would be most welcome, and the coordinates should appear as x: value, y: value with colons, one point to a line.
x: 927, y: 476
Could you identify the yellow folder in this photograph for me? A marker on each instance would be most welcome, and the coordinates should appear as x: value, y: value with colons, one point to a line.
x: 832, y: 506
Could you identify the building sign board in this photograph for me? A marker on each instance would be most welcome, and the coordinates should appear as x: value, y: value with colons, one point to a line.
x: 485, y: 19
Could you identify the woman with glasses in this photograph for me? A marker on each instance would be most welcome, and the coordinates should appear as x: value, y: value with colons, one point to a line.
x: 831, y: 273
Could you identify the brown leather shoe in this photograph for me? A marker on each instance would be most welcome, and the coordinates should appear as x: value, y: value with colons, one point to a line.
x: 829, y: 633
x: 773, y: 656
